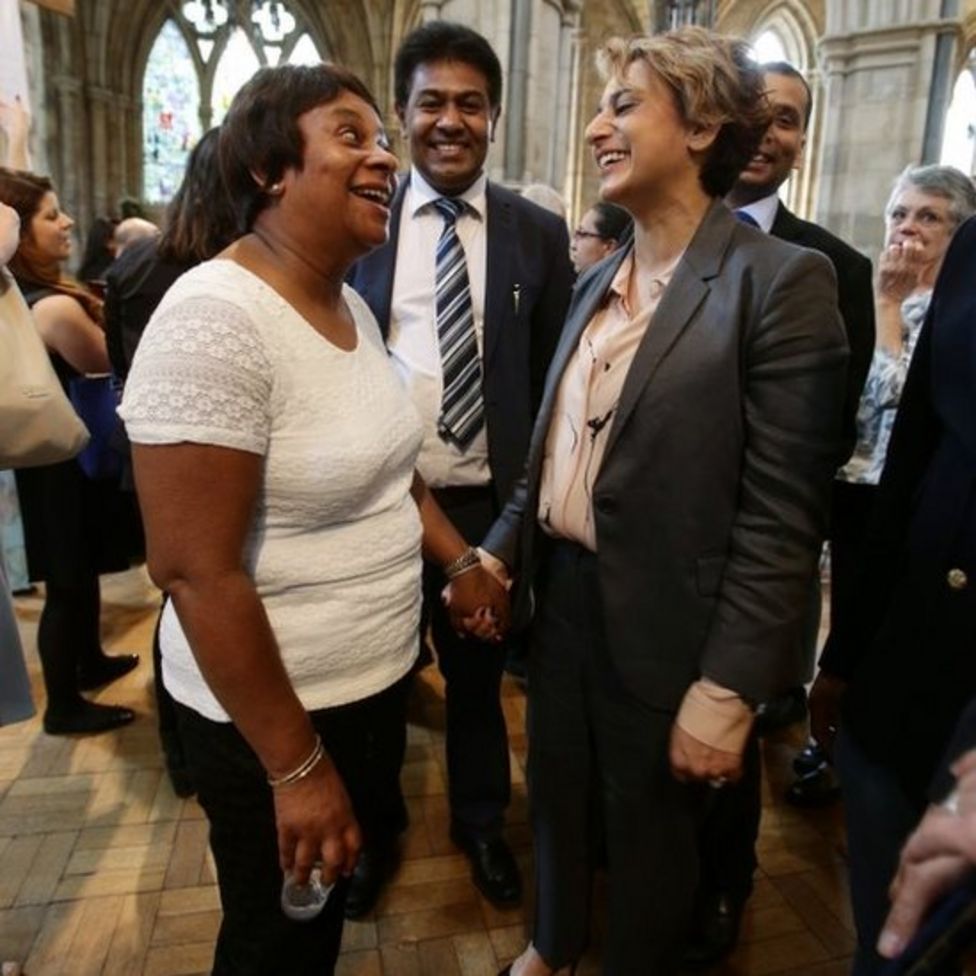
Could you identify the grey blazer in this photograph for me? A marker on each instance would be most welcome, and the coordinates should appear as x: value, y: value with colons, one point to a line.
x: 710, y: 505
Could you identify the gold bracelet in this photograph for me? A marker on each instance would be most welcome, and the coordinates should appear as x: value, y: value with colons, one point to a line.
x: 467, y: 560
x: 302, y: 769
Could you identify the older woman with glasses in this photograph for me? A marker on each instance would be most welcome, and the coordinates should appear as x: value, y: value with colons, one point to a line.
x: 673, y: 506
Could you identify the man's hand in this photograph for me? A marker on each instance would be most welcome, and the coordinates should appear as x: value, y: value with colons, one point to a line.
x: 694, y: 762
x: 937, y: 856
x: 825, y: 699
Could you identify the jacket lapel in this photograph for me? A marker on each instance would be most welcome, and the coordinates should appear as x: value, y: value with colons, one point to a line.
x: 499, y: 286
x: 785, y: 226
x: 687, y: 290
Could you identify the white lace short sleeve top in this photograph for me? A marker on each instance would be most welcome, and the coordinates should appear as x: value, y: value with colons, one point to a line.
x: 334, y: 548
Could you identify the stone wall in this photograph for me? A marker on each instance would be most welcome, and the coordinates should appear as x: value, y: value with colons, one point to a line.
x: 880, y: 71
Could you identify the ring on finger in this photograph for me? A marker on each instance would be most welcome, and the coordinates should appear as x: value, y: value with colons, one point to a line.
x: 718, y: 782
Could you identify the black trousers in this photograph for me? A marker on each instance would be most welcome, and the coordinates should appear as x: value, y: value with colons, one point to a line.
x: 366, y: 740
x: 727, y: 842
x: 479, y: 779
x: 597, y: 750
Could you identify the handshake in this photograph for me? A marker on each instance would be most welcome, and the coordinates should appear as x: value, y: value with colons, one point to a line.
x: 477, y: 598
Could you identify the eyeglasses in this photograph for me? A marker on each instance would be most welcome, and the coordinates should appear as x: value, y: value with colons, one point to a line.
x: 579, y: 232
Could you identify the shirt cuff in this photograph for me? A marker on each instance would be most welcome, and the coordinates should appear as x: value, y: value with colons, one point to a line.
x: 715, y: 716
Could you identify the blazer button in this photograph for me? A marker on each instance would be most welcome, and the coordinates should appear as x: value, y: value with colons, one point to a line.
x: 957, y: 579
x: 606, y: 504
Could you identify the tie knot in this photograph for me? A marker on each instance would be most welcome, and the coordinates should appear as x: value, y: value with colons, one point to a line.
x: 450, y: 208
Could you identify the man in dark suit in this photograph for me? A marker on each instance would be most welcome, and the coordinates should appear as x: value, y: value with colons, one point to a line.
x: 728, y: 839
x: 470, y: 291
x: 898, y: 668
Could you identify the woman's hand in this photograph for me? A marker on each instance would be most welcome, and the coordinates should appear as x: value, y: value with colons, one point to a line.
x: 316, y: 825
x: 825, y: 699
x: 899, y: 271
x: 478, y: 604
x: 692, y: 761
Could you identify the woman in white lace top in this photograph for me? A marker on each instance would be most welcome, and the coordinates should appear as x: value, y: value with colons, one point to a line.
x: 274, y: 454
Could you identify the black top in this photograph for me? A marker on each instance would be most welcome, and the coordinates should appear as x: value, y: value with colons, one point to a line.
x: 135, y: 285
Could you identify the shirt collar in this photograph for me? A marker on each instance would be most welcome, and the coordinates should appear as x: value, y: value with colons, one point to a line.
x: 763, y: 211
x: 621, y: 281
x: 422, y: 194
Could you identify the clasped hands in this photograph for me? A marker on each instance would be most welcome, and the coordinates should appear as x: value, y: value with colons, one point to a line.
x: 477, y: 601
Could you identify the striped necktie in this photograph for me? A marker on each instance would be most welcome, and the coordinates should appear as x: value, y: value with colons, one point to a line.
x: 462, y: 409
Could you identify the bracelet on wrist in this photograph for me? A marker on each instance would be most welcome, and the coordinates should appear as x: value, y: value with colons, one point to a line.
x: 468, y: 560
x: 302, y: 769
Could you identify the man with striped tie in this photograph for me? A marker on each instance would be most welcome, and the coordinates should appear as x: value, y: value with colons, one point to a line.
x: 470, y: 291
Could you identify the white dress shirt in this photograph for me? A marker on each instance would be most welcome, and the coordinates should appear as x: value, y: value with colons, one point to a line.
x: 763, y: 212
x: 412, y: 339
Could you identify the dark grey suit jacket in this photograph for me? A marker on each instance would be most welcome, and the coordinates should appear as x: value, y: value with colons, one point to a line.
x: 711, y: 501
x: 529, y: 279
x: 855, y: 297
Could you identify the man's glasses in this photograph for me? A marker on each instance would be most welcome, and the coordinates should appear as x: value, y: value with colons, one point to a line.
x: 579, y: 232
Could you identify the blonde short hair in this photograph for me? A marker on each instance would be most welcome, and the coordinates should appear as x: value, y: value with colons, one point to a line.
x: 714, y: 81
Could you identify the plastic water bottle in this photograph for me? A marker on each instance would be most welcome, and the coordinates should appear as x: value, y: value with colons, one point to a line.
x: 302, y: 902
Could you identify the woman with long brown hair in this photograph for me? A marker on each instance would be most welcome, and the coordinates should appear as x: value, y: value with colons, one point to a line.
x: 74, y: 526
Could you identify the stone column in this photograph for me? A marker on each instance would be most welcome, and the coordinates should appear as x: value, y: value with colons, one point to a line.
x: 885, y: 69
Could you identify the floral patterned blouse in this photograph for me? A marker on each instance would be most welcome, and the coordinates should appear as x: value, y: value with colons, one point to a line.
x: 882, y: 394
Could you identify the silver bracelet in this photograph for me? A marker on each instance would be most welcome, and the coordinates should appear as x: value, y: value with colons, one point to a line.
x: 302, y: 769
x: 466, y: 561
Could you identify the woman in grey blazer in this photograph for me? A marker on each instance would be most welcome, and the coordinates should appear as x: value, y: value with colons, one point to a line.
x: 672, y: 510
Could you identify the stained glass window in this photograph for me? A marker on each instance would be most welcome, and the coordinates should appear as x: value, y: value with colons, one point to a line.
x: 236, y: 65
x: 170, y: 113
x: 185, y: 93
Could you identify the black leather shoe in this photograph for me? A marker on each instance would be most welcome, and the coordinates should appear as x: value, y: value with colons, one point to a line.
x: 373, y: 869
x: 809, y: 759
x: 817, y: 789
x: 87, y: 719
x: 493, y: 869
x: 715, y: 933
x: 107, y: 668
